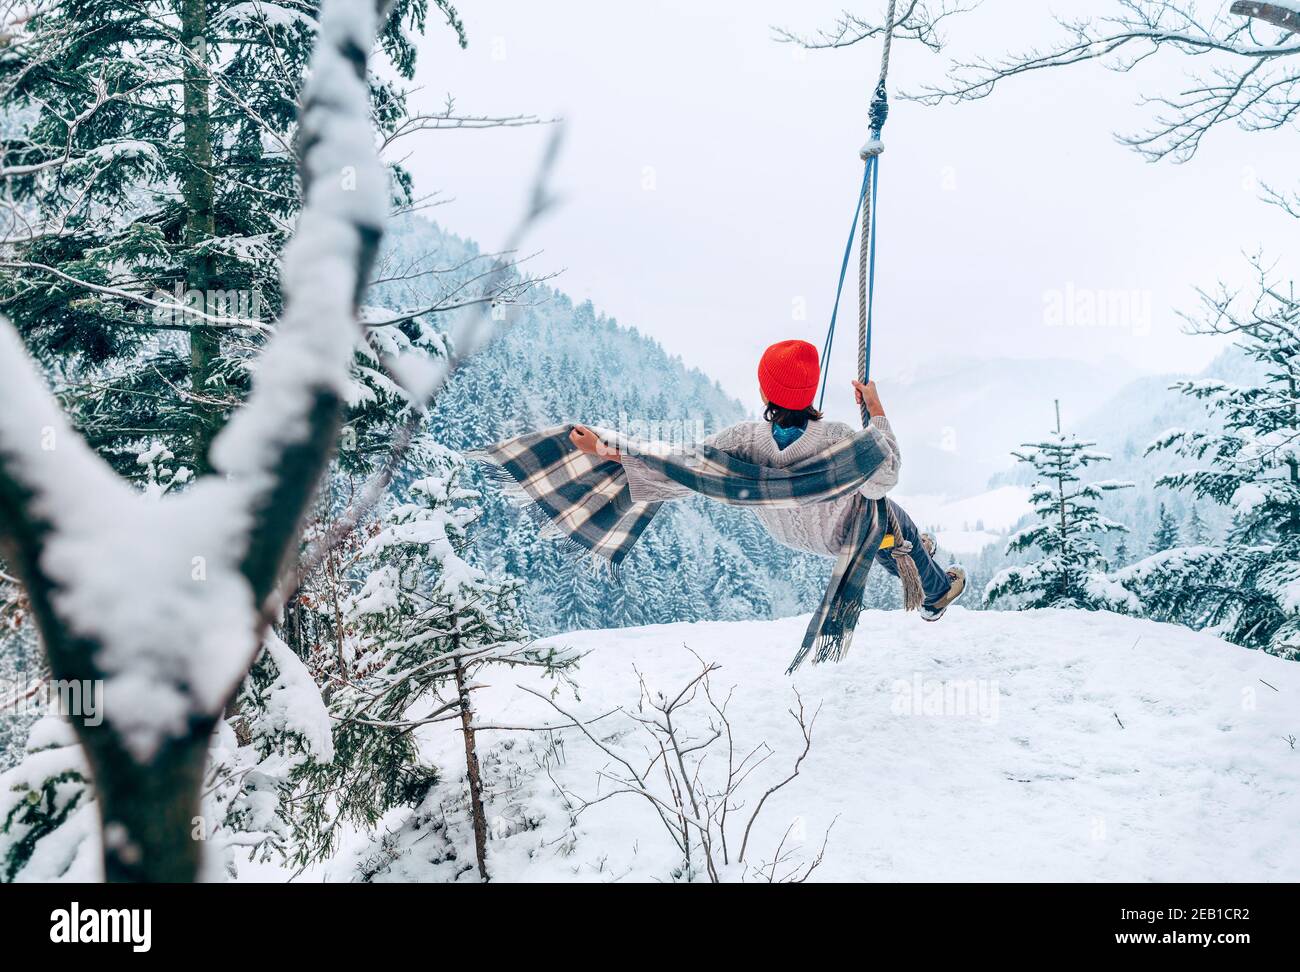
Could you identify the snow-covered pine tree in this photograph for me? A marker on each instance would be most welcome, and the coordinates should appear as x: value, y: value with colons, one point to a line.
x: 425, y: 622
x: 644, y: 575
x: 1122, y: 556
x: 581, y: 600
x: 1070, y: 570
x: 151, y: 157
x: 1196, y: 531
x: 655, y: 559
x: 1247, y: 587
x: 735, y: 591
x: 808, y: 578
x: 37, y: 801
x: 1166, y: 532
x: 689, y: 598
x: 46, y: 810
x: 149, y: 760
x: 625, y: 598
x: 250, y: 783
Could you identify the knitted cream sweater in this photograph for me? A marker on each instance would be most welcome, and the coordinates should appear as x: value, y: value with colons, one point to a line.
x: 822, y: 528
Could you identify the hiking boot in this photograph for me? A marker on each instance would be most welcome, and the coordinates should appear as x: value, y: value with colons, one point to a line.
x: 957, y: 576
x: 927, y: 541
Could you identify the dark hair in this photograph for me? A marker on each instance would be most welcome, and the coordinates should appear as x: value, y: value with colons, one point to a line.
x: 790, y: 418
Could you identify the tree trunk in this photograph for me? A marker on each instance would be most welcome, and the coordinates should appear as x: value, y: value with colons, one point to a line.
x: 151, y: 813
x: 200, y: 224
x: 471, y: 766
x: 150, y: 809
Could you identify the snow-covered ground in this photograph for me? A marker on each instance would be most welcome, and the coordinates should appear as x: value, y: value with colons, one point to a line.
x: 1044, y: 745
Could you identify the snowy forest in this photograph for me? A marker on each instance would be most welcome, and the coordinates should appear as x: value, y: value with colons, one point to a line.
x: 265, y: 616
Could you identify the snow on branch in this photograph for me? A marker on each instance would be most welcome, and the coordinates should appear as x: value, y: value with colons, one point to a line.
x: 159, y: 599
x: 451, y: 118
x: 278, y: 443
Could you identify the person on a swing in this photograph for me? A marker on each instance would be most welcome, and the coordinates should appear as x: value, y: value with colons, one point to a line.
x: 792, y: 430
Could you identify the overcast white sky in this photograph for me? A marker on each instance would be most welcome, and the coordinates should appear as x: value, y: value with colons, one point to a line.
x: 751, y: 150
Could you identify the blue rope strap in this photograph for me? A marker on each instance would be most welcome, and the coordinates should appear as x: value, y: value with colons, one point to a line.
x: 844, y: 269
x: 869, y: 180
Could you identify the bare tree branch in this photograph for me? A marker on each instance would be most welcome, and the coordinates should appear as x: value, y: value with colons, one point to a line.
x: 1251, y: 80
x: 693, y: 808
x: 919, y: 21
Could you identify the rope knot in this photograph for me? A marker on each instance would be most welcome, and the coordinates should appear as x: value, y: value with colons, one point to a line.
x: 877, y: 115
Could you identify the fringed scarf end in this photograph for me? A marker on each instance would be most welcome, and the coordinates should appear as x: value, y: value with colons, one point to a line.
x: 547, y: 529
x: 832, y: 640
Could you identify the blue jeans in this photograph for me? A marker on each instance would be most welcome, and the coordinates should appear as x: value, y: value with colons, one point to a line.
x: 934, y: 580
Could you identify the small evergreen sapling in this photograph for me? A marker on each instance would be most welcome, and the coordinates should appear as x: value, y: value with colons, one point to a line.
x: 426, y: 621
x: 1070, y: 570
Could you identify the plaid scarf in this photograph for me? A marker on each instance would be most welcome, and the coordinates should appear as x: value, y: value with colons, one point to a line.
x: 587, y: 500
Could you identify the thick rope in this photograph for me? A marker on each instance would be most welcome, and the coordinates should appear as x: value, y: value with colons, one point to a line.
x: 913, y: 592
x: 877, y: 114
x: 864, y: 290
x: 889, y: 42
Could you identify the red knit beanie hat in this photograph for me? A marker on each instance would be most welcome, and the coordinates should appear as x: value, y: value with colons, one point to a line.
x: 788, y: 374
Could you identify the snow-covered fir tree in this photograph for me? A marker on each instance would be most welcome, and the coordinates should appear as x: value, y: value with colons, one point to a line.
x: 277, y: 737
x: 1069, y: 571
x: 1166, y: 534
x: 1121, y: 557
x: 1196, y: 532
x: 48, y: 817
x: 422, y: 622
x: 151, y: 156
x: 1247, y: 586
x: 736, y: 591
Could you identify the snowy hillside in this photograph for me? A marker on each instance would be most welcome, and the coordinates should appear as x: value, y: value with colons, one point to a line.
x: 1046, y: 745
